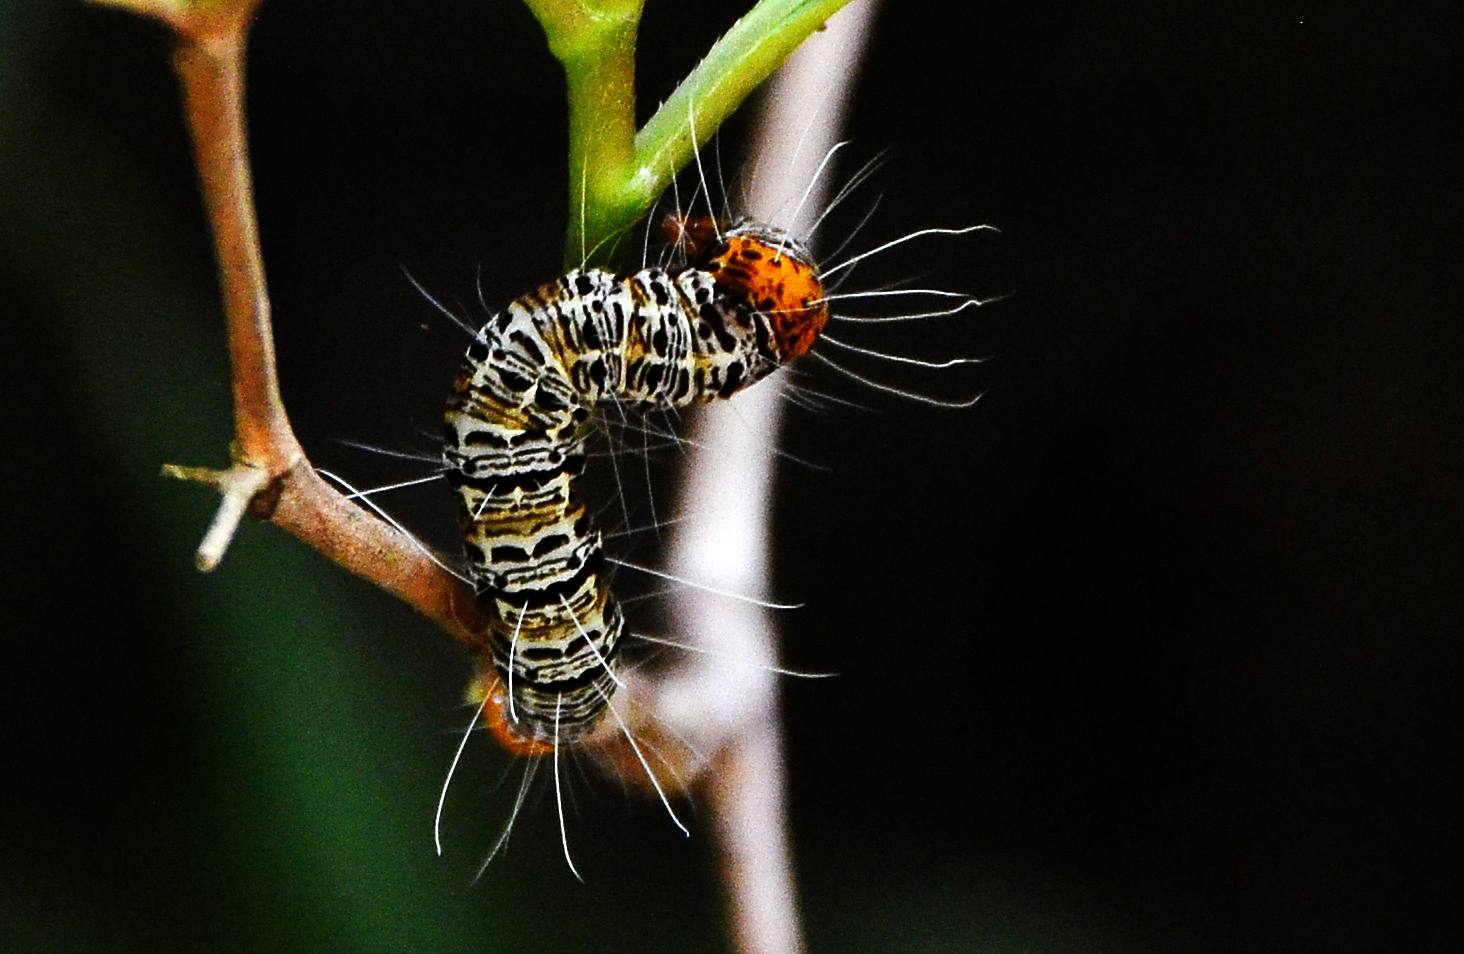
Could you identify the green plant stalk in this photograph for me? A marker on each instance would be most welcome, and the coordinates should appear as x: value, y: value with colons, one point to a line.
x: 595, y: 42
x: 615, y: 172
x: 601, y: 143
x: 737, y: 64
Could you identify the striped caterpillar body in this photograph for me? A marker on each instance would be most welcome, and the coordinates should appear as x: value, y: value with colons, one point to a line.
x: 747, y: 301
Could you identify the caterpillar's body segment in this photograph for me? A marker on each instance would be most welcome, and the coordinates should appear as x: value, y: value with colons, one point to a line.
x: 746, y: 302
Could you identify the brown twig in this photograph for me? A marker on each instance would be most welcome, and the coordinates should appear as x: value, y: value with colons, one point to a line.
x: 270, y: 476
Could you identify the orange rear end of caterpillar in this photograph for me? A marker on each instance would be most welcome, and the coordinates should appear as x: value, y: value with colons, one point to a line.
x: 489, y: 691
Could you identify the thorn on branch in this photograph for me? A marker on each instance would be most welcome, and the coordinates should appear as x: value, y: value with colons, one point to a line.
x: 244, y: 488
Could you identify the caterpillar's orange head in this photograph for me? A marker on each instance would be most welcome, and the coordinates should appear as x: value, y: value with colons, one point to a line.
x: 780, y: 280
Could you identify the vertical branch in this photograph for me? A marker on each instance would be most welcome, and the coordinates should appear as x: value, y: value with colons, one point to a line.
x: 720, y: 706
x: 210, y: 71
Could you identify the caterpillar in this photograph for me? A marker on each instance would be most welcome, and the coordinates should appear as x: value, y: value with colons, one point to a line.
x: 745, y: 302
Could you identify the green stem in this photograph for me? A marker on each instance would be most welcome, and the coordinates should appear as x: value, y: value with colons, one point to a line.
x: 601, y: 143
x: 615, y: 173
x: 596, y: 44
x: 749, y: 53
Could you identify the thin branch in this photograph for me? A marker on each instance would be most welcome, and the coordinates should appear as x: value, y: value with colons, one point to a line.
x: 270, y: 476
x: 212, y: 76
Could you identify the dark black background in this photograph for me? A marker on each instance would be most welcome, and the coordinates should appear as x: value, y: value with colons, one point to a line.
x: 1152, y: 650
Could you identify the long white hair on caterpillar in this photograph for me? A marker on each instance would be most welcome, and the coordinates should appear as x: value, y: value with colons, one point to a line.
x: 729, y: 303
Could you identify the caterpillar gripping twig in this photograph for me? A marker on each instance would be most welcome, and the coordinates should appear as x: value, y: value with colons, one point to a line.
x: 746, y: 301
